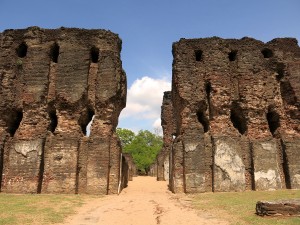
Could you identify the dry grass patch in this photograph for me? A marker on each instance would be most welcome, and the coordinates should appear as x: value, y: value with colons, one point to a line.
x: 38, y: 209
x: 239, y: 207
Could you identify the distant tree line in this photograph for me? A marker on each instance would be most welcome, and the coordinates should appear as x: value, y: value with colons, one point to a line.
x: 143, y: 146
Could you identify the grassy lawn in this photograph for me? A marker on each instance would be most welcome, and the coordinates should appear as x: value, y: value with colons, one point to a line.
x: 38, y: 209
x: 239, y: 207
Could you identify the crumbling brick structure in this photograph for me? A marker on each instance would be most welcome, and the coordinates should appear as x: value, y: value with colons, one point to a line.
x: 53, y: 82
x: 236, y: 104
x: 167, y: 124
x: 153, y: 169
x: 131, y: 166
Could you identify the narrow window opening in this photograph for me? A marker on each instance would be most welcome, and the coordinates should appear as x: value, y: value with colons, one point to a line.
x: 86, y: 120
x: 22, y: 50
x: 273, y: 121
x: 54, y: 52
x: 237, y: 118
x: 267, y: 53
x: 208, y: 90
x: 53, y: 120
x: 88, y: 127
x: 203, y: 120
x: 94, y: 54
x: 41, y: 170
x: 232, y: 55
x: 285, y: 166
x: 280, y: 72
x: 14, y: 122
x: 198, y: 55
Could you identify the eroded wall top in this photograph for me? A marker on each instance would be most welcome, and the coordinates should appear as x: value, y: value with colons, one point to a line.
x: 252, y: 80
x: 63, y: 70
x: 236, y: 105
x: 54, y: 82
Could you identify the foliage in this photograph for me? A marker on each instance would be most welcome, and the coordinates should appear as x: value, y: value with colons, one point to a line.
x: 143, y: 146
x: 239, y: 207
x: 126, y: 136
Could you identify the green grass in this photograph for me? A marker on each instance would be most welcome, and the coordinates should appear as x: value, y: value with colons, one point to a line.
x: 38, y: 209
x: 235, y: 207
x: 239, y: 207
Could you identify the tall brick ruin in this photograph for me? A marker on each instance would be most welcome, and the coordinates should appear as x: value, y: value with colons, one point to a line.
x: 167, y: 123
x: 236, y: 109
x: 53, y: 82
x: 132, y: 170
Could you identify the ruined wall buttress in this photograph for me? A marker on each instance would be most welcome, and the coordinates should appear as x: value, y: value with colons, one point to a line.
x: 132, y: 171
x: 163, y: 159
x: 53, y: 83
x: 236, y: 107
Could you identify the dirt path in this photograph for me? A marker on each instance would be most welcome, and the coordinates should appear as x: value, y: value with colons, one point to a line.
x: 144, y: 202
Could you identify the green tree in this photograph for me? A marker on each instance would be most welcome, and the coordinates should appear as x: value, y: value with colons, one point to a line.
x: 126, y: 136
x: 143, y: 147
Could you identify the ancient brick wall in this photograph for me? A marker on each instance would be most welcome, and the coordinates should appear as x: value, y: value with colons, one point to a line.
x: 167, y: 123
x: 131, y: 166
x: 236, y: 104
x: 153, y: 169
x: 53, y: 82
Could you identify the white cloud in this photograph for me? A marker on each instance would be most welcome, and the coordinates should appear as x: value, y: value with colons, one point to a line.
x: 157, y: 123
x: 144, y: 99
x: 157, y: 126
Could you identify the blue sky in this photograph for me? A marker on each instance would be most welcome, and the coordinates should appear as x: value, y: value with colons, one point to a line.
x: 148, y: 29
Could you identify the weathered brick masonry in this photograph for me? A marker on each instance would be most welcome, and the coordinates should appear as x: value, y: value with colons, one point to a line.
x: 167, y: 123
x: 132, y: 171
x: 53, y: 82
x: 236, y: 107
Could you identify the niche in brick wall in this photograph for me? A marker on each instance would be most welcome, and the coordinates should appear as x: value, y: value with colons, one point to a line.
x: 267, y: 53
x: 22, y: 50
x: 279, y: 72
x: 208, y: 90
x: 273, y: 120
x: 94, y: 54
x: 14, y: 121
x: 202, y: 118
x: 237, y: 118
x: 54, y: 52
x: 53, y: 120
x: 232, y: 55
x: 85, y: 121
x: 198, y: 55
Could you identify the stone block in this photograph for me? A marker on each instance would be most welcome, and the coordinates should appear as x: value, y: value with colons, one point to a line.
x: 98, y: 165
x: 229, y: 168
x: 291, y: 148
x: 23, y: 174
x: 61, y: 163
x: 266, y: 165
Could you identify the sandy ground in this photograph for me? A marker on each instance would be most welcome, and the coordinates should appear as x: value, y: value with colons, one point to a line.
x: 144, y: 202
